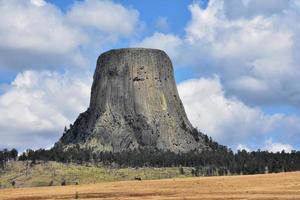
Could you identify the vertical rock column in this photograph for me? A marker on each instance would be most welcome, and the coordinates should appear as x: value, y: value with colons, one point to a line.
x: 134, y: 104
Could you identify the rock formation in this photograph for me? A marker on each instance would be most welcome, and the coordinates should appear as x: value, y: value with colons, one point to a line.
x: 134, y: 105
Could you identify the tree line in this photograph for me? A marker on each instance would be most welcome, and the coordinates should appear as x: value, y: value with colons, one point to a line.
x: 220, y: 161
x: 217, y: 160
x: 7, y: 155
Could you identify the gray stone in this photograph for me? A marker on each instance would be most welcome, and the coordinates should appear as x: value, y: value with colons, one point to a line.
x: 134, y: 105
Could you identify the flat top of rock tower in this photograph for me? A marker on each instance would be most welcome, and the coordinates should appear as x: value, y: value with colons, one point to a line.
x: 124, y: 50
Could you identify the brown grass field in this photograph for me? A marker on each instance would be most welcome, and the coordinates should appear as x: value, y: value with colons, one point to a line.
x: 267, y: 187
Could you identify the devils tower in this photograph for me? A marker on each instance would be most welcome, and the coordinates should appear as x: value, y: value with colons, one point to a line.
x: 134, y: 105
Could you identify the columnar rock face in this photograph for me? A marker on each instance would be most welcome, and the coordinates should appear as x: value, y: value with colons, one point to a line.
x: 134, y: 105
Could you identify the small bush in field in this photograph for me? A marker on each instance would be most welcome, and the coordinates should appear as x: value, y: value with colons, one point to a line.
x: 63, y: 183
x: 181, y: 171
x: 13, y: 183
x: 51, y: 183
x: 76, y: 195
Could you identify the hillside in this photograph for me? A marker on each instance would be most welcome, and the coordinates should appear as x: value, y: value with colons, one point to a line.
x: 54, y: 173
x: 263, y: 187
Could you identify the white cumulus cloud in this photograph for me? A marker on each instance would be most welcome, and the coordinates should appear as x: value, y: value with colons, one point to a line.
x: 38, y: 34
x: 277, y: 147
x: 255, y: 55
x: 167, y: 42
x: 231, y: 122
x: 37, y: 105
x: 105, y: 16
x: 38, y: 2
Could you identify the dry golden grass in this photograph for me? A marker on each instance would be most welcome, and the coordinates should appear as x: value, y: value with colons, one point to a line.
x: 265, y: 187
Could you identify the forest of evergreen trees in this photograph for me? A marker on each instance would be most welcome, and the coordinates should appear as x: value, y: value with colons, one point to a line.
x: 219, y: 160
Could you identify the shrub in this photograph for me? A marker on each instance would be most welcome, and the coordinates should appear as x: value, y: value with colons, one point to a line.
x: 13, y: 183
x: 51, y: 183
x: 63, y: 183
x: 76, y: 195
x: 181, y: 171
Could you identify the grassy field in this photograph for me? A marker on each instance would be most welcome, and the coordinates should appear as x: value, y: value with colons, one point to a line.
x: 53, y: 173
x: 261, y: 187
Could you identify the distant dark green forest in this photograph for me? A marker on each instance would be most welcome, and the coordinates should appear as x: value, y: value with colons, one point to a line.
x: 219, y: 160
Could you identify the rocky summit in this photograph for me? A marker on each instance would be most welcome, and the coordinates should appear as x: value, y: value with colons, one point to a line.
x: 134, y: 105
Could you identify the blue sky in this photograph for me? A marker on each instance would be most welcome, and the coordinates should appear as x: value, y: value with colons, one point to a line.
x: 236, y: 64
